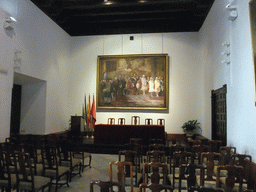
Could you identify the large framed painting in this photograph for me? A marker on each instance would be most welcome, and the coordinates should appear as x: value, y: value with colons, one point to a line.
x: 133, y: 82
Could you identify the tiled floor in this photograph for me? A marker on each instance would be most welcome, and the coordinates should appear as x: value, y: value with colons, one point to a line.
x: 98, y: 171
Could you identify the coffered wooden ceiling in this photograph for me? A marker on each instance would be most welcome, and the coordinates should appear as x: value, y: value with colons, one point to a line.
x: 99, y: 17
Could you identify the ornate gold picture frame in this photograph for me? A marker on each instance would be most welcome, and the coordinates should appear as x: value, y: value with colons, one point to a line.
x: 133, y: 82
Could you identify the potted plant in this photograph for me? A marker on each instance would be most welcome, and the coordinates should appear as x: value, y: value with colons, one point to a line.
x: 190, y: 127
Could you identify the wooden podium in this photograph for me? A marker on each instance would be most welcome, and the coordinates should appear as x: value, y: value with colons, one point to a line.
x: 77, y: 125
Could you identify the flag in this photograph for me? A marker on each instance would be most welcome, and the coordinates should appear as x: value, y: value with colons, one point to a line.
x: 84, y: 110
x: 88, y: 114
x: 93, y: 113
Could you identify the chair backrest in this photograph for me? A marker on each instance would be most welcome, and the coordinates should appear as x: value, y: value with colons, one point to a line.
x: 155, y: 187
x: 208, y: 158
x: 5, y: 162
x: 233, y: 176
x: 160, y: 121
x: 156, y: 156
x: 155, y: 141
x: 111, y: 121
x: 206, y: 189
x: 148, y: 121
x: 49, y: 153
x: 105, y: 186
x: 121, y: 175
x: 152, y: 170
x: 130, y: 156
x: 135, y: 120
x: 226, y: 153
x: 244, y: 161
x: 121, y: 121
x: 197, y: 150
x: 25, y: 172
x: 215, y: 145
x: 190, y: 169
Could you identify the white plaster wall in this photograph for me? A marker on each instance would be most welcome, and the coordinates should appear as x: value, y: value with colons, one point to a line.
x: 184, y: 73
x: 215, y: 31
x: 238, y: 75
x: 45, y: 54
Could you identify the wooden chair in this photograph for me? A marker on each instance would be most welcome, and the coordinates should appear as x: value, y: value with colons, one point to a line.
x: 29, y: 146
x: 131, y: 156
x: 208, y: 162
x: 121, y: 121
x: 25, y: 175
x: 136, y: 145
x: 79, y: 153
x: 197, y: 150
x: 151, y: 173
x: 8, y: 180
x: 135, y: 120
x: 179, y: 158
x: 66, y: 159
x: 232, y: 177
x: 206, y: 189
x: 160, y: 121
x: 176, y: 148
x: 244, y: 161
x: 148, y: 121
x: 155, y: 187
x: 111, y: 121
x: 123, y: 185
x: 156, y: 156
x: 187, y: 172
x: 51, y: 166
x: 192, y: 143
x: 155, y: 141
x: 226, y: 153
x: 105, y: 186
x: 214, y: 145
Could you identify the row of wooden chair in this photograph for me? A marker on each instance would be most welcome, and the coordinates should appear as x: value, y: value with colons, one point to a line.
x: 135, y: 120
x: 204, y: 158
x: 51, y: 157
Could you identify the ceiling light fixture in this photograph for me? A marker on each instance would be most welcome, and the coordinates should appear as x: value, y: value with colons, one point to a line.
x: 107, y: 2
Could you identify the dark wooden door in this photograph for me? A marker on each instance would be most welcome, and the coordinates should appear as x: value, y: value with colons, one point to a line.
x: 15, y: 110
x: 219, y: 115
